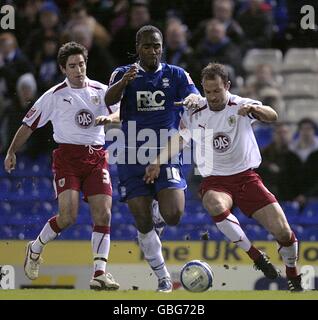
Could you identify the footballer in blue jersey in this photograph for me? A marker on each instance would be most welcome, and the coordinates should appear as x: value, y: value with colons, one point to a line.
x: 149, y: 102
x: 148, y: 90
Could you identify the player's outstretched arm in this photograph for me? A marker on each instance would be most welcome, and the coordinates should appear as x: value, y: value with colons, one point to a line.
x: 115, y: 92
x: 20, y: 138
x: 192, y: 101
x: 174, y: 146
x: 103, y: 120
x: 262, y: 113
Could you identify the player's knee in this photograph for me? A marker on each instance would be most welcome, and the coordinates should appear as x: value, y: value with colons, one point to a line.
x: 65, y: 221
x: 173, y: 217
x: 102, y: 217
x: 214, y: 208
x: 283, y: 235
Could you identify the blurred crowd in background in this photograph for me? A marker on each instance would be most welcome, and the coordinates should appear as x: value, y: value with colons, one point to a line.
x: 269, y: 58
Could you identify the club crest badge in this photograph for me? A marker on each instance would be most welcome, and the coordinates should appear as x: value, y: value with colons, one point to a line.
x: 231, y: 121
x: 61, y: 182
x: 165, y: 83
x: 96, y: 100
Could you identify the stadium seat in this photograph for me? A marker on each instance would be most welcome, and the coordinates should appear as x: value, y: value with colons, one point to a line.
x: 309, y: 215
x: 311, y: 234
x: 301, y: 60
x: 255, y: 57
x: 300, y: 86
x: 5, y: 188
x: 301, y: 108
x: 291, y: 210
x: 255, y: 232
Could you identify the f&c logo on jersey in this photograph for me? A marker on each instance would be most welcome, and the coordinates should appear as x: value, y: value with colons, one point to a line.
x: 84, y: 118
x: 221, y: 142
x: 150, y: 101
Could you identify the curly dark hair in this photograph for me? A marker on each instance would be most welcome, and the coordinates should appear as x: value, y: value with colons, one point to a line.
x: 146, y: 29
x: 69, y: 49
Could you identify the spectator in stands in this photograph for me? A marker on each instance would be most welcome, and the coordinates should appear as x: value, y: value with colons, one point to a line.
x: 113, y: 16
x: 13, y: 63
x: 177, y: 51
x: 307, y: 140
x: 216, y: 46
x: 264, y: 85
x: 26, y: 95
x: 80, y: 16
x: 257, y: 24
x: 281, y: 168
x: 95, y: 69
x: 50, y: 26
x: 123, y: 46
x: 75, y: 107
x: 47, y: 70
x: 223, y: 11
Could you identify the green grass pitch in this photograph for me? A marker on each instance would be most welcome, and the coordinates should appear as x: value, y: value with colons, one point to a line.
x: 58, y: 294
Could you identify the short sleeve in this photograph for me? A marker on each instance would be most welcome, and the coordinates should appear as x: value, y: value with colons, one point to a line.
x: 41, y: 112
x: 116, y: 76
x: 186, y: 85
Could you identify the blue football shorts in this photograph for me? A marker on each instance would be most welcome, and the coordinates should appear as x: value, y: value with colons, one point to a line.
x: 132, y: 185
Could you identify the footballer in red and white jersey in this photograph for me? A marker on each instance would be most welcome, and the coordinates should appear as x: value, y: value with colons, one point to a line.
x: 72, y: 112
x: 225, y: 142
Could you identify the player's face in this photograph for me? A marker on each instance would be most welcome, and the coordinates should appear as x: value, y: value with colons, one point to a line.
x: 215, y: 92
x: 75, y: 70
x: 149, y: 50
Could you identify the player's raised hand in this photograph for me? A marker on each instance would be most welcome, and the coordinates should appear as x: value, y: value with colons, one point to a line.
x: 10, y: 162
x: 192, y: 101
x: 152, y: 173
x: 130, y: 74
x: 246, y: 109
x: 102, y: 120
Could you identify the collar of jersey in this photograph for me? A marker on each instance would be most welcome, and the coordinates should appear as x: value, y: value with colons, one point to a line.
x: 69, y: 85
x: 142, y: 69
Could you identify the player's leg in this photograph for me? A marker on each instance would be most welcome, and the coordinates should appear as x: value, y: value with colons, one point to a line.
x: 218, y: 204
x: 171, y: 205
x: 97, y: 190
x: 273, y: 219
x: 100, y: 206
x: 68, y: 202
x: 169, y: 188
x: 149, y: 241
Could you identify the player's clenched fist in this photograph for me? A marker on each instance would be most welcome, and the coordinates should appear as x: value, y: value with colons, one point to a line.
x: 102, y: 120
x: 246, y: 109
x: 130, y: 74
x: 152, y: 173
x: 10, y: 162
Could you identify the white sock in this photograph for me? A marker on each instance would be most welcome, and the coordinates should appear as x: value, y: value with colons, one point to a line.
x: 151, y: 247
x: 100, y: 245
x: 49, y: 232
x: 289, y: 254
x: 156, y: 215
x: 228, y: 224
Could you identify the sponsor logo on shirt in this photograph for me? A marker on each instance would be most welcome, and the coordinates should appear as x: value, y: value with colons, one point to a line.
x: 84, y: 118
x: 221, y: 142
x: 150, y: 101
x: 69, y: 100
